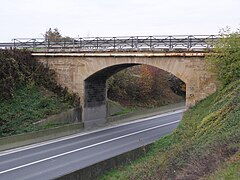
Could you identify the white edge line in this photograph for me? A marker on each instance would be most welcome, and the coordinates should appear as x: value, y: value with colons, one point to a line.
x: 86, y: 147
x: 23, y: 148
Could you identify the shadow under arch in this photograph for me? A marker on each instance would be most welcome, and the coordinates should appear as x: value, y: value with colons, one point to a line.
x: 95, y: 93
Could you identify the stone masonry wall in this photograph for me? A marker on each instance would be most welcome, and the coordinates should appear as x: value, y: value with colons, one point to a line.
x: 74, y: 69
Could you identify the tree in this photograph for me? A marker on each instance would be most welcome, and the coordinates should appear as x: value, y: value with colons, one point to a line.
x: 225, y: 57
x: 53, y: 35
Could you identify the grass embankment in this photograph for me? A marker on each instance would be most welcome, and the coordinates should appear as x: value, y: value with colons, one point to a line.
x: 29, y: 92
x: 205, y: 145
x: 30, y: 104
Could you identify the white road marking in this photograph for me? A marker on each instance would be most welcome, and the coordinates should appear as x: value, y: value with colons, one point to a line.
x: 86, y: 147
x: 3, y: 153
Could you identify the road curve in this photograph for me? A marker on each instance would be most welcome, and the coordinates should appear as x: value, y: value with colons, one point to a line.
x: 52, y: 159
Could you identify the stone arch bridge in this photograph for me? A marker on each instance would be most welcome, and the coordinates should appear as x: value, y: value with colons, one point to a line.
x: 86, y: 73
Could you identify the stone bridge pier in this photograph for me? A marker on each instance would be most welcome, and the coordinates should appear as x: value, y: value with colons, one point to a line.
x: 86, y: 74
x: 95, y: 95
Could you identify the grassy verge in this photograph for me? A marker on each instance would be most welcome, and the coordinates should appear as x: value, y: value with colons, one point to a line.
x: 206, y: 138
x: 28, y: 105
x: 125, y: 111
x: 230, y: 169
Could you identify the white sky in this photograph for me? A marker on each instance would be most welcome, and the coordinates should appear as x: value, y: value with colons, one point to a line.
x: 31, y: 18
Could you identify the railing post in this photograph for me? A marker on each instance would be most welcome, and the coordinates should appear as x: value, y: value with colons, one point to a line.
x: 136, y: 44
x: 34, y: 43
x: 73, y: 44
x: 132, y: 42
x: 80, y: 43
x: 170, y: 43
x: 189, y: 43
x: 114, y: 43
x: 150, y: 42
x: 97, y: 42
x: 212, y: 43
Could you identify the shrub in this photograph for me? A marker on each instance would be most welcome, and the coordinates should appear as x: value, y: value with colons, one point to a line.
x: 225, y: 58
x: 18, y: 68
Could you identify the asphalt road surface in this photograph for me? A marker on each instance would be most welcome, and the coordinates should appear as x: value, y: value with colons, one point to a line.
x: 52, y: 159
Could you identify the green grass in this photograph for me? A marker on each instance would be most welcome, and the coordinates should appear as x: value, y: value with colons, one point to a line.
x: 124, y: 111
x: 230, y: 170
x: 207, y: 137
x: 28, y: 105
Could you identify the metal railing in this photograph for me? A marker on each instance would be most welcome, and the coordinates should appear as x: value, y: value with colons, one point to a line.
x: 180, y: 42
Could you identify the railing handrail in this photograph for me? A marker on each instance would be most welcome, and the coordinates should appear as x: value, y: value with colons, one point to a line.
x: 116, y: 43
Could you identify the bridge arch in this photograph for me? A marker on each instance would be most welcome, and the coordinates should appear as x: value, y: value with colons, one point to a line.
x: 95, y: 93
x: 177, y: 68
x: 78, y: 71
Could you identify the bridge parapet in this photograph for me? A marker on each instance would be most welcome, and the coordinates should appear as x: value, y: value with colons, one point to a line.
x: 121, y: 54
x: 125, y: 43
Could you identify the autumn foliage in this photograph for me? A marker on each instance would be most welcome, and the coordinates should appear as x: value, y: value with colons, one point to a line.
x: 145, y: 86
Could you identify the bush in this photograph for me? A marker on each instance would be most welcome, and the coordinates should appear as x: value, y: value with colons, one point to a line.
x: 225, y: 58
x: 10, y: 75
x: 19, y: 68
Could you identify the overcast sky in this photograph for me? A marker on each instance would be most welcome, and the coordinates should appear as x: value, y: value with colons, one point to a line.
x: 31, y: 18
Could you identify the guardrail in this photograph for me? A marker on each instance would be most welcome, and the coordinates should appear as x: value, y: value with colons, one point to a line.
x: 180, y: 42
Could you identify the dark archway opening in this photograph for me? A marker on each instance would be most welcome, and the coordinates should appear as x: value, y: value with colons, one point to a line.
x: 130, y: 85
